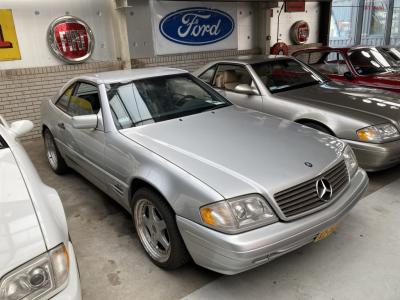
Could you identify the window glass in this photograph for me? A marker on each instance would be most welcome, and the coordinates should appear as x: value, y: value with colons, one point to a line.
x: 284, y: 75
x: 330, y: 63
x: 229, y: 76
x: 369, y: 61
x: 62, y: 102
x: 85, y: 100
x: 208, y: 75
x: 160, y: 98
x: 303, y: 56
x: 2, y: 143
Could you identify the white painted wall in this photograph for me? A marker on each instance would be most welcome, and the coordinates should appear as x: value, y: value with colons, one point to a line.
x: 311, y: 16
x: 32, y: 18
x: 246, y: 26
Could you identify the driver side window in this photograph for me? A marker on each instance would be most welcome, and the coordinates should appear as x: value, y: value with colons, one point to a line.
x: 85, y: 100
x: 230, y: 76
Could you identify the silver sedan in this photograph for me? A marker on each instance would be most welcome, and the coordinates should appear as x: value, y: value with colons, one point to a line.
x: 367, y: 119
x: 229, y: 187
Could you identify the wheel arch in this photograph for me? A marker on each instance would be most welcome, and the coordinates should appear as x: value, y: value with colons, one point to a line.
x: 305, y: 121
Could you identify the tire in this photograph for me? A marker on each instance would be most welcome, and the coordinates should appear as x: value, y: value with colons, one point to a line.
x: 156, y: 227
x: 54, y: 158
x: 318, y: 127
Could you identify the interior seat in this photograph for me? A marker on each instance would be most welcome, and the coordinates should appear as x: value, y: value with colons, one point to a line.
x: 230, y: 79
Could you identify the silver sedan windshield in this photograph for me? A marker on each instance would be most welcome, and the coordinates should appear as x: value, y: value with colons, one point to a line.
x: 158, y: 99
x: 284, y: 75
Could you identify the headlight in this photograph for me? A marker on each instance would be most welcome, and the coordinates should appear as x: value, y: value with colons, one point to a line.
x: 350, y: 160
x: 378, y: 133
x: 238, y: 214
x: 38, y: 277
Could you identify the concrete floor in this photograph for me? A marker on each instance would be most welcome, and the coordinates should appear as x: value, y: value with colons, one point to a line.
x: 362, y: 256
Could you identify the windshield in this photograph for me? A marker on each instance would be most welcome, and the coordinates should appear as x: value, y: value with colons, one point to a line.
x: 370, y: 61
x: 158, y: 99
x: 393, y: 55
x: 284, y: 75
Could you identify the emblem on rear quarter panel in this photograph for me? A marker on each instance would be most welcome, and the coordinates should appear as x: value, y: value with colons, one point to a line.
x: 70, y: 39
x: 197, y: 26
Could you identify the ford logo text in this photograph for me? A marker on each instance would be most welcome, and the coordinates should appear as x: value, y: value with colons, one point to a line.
x: 197, y: 26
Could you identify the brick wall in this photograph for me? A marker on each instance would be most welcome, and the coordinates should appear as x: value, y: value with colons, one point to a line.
x: 189, y: 61
x: 23, y: 90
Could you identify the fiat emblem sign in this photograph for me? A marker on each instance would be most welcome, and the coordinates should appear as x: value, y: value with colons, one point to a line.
x: 70, y: 39
x: 300, y: 32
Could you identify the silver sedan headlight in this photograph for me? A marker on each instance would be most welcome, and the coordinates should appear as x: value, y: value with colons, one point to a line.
x: 37, y: 278
x: 238, y: 214
x: 378, y: 133
x: 350, y: 160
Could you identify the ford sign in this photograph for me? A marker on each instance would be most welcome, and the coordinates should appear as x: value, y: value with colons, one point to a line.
x: 197, y: 26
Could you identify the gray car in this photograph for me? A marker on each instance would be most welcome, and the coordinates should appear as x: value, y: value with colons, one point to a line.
x: 367, y: 119
x: 229, y: 187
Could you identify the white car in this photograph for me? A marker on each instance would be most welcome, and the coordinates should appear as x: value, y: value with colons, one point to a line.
x: 37, y: 260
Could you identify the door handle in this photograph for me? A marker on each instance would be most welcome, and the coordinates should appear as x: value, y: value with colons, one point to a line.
x: 61, y: 125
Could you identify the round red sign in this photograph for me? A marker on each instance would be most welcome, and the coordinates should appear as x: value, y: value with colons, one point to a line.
x: 70, y: 39
x: 299, y: 32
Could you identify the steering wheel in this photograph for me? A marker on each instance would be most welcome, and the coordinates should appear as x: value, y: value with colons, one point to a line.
x: 181, y: 101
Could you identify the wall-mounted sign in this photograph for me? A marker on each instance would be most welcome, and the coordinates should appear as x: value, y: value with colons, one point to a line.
x: 197, y: 26
x: 9, y: 49
x: 70, y: 39
x: 183, y: 27
x: 299, y: 32
x: 295, y: 6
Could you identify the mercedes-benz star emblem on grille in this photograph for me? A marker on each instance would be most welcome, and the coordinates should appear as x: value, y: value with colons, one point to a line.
x: 324, y: 190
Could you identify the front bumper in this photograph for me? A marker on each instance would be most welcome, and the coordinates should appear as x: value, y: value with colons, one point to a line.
x: 376, y: 157
x: 231, y: 254
x: 73, y: 289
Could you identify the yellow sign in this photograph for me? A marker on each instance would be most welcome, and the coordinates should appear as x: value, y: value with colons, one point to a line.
x: 9, y: 49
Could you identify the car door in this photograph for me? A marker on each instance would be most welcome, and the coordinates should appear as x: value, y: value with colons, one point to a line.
x: 85, y: 147
x: 59, y: 111
x: 230, y: 77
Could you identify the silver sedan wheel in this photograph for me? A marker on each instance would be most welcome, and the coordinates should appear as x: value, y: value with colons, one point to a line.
x: 152, y: 230
x: 51, y: 152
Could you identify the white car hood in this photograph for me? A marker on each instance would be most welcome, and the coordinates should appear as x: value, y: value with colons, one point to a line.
x: 21, y: 238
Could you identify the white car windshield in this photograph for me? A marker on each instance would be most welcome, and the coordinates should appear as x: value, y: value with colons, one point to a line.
x: 158, y: 99
x: 283, y: 75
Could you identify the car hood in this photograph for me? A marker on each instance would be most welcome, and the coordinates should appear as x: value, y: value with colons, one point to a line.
x: 381, y: 104
x: 20, y: 235
x: 237, y: 151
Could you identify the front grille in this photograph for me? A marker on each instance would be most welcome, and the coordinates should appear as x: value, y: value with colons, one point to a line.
x: 303, y: 197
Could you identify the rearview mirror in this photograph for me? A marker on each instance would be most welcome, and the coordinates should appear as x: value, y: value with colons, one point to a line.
x: 84, y: 122
x: 19, y: 128
x: 348, y: 75
x: 246, y: 89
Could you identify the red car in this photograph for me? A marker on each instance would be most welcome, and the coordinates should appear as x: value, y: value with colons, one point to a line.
x: 365, y: 66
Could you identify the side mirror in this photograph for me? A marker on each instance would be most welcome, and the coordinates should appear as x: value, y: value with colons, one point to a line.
x: 19, y: 128
x: 348, y: 75
x: 84, y: 122
x: 246, y: 89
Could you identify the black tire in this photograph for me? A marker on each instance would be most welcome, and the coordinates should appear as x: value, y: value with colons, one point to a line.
x: 58, y: 164
x: 318, y: 127
x: 178, y: 254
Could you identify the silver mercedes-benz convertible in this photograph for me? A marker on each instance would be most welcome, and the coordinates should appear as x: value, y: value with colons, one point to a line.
x: 229, y: 187
x: 367, y: 119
